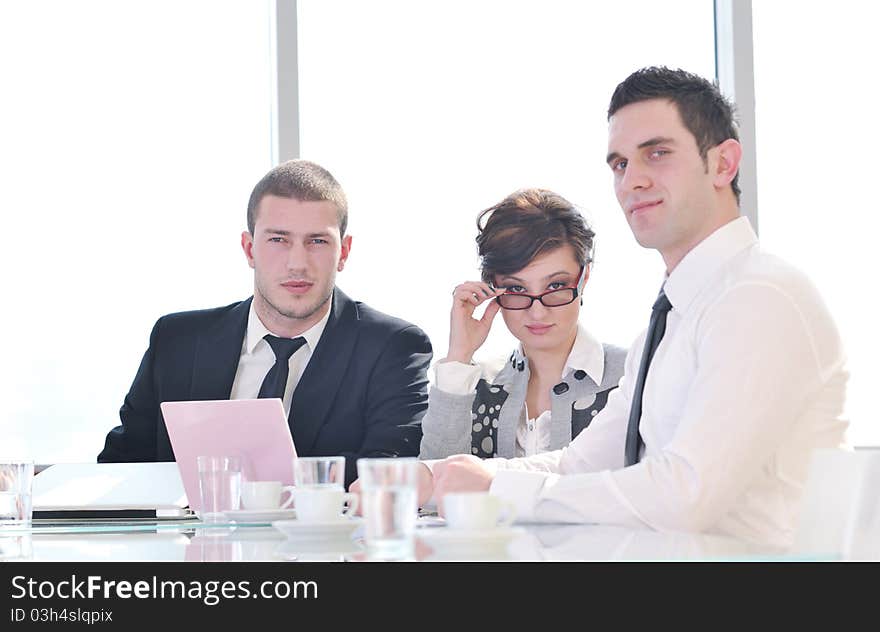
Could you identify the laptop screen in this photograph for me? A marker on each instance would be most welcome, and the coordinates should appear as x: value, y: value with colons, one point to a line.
x: 253, y: 429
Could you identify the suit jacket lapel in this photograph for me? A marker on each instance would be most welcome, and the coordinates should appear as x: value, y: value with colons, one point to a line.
x: 322, y: 378
x: 217, y: 353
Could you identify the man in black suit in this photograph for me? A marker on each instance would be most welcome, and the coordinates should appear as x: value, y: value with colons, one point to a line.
x: 353, y: 379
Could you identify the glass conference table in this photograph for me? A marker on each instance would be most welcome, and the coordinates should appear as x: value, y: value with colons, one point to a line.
x: 192, y: 540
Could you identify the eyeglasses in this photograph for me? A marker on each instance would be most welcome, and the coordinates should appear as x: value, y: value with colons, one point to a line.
x: 551, y: 298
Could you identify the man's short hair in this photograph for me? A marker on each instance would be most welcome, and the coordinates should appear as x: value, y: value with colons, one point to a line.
x: 526, y: 224
x: 705, y: 112
x: 300, y: 180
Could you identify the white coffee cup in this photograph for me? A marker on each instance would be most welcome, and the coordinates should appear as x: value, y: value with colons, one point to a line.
x: 323, y: 503
x: 265, y: 495
x: 477, y: 510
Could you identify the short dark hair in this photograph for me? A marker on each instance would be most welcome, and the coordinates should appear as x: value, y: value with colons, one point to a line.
x: 300, y: 180
x: 705, y: 112
x: 526, y: 224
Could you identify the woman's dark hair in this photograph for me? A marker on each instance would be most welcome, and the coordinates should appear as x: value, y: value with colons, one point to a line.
x: 526, y: 224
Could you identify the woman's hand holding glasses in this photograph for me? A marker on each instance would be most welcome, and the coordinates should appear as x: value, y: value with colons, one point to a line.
x: 466, y: 333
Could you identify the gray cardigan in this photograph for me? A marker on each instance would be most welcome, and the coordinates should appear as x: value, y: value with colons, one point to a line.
x: 484, y: 423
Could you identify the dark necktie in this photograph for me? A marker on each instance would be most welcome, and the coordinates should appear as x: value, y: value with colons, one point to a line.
x: 276, y: 379
x: 656, y: 329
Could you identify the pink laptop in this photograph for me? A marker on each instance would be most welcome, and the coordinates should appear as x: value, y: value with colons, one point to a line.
x: 254, y: 429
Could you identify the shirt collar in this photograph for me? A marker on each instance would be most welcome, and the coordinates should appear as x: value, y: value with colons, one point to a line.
x: 586, y: 354
x: 256, y: 330
x: 698, y: 266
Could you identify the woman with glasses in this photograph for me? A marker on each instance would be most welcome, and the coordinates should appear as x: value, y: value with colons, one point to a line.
x: 535, y: 250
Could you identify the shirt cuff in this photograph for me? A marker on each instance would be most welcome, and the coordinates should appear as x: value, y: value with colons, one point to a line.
x: 520, y: 488
x: 457, y: 378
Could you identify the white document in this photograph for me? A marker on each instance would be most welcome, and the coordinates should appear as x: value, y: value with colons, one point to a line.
x: 109, y: 486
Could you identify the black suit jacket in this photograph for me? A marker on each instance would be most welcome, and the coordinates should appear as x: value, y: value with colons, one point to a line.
x: 362, y: 394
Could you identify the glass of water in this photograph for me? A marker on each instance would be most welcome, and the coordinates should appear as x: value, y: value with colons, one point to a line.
x: 16, y: 484
x: 320, y: 472
x: 389, y: 501
x: 219, y: 486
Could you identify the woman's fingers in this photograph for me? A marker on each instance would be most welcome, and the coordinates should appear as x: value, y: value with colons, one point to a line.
x: 474, y: 292
x: 489, y: 315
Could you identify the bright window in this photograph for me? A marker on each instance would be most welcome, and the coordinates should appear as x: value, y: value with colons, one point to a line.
x: 132, y: 134
x: 817, y: 133
x: 428, y: 113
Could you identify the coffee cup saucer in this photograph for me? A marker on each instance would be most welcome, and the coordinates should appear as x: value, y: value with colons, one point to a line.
x: 447, y: 535
x: 447, y: 543
x: 305, y: 549
x: 260, y: 515
x: 341, y: 527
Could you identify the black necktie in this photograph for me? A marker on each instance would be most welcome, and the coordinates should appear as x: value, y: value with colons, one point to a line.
x: 656, y: 329
x: 276, y: 379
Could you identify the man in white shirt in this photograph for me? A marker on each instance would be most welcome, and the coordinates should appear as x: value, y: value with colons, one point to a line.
x: 748, y: 378
x: 352, y: 380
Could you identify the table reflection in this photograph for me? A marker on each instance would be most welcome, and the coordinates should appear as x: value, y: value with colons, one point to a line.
x: 434, y: 542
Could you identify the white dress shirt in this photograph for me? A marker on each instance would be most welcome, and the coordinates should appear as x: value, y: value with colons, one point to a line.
x: 748, y: 379
x: 257, y: 358
x: 532, y: 434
